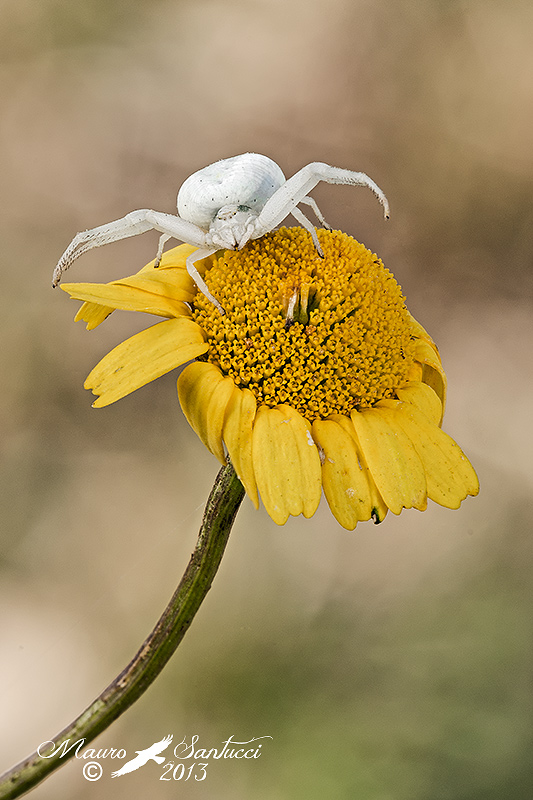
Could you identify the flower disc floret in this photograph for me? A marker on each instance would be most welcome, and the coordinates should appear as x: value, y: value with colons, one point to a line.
x: 323, y: 335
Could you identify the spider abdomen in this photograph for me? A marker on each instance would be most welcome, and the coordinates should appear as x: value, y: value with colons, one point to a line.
x: 245, y: 181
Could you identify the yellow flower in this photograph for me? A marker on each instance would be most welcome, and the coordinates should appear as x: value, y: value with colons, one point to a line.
x: 316, y: 377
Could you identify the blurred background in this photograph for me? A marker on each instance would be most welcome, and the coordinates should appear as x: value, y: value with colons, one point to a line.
x: 391, y: 663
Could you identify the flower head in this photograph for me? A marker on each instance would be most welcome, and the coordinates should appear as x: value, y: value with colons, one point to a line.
x: 316, y: 377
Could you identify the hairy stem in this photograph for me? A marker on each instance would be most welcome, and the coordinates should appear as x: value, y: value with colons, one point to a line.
x: 222, y: 506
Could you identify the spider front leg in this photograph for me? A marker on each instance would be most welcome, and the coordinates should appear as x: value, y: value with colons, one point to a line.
x: 295, y: 189
x: 133, y: 224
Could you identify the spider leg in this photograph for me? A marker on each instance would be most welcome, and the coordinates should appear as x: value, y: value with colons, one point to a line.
x: 133, y: 224
x: 308, y: 225
x: 163, y: 239
x: 198, y: 255
x: 318, y: 214
x: 295, y: 189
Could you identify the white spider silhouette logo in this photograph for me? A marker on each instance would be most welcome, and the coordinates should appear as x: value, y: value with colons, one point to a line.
x: 223, y: 206
x: 143, y: 756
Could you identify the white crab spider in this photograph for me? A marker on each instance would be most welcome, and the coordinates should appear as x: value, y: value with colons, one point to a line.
x: 223, y: 206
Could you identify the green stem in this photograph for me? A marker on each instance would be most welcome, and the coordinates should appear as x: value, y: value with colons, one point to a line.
x: 222, y: 506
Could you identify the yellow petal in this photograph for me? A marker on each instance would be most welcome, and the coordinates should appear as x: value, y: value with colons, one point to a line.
x: 127, y: 298
x: 93, y: 314
x: 432, y: 371
x: 391, y: 458
x: 419, y: 332
x: 175, y: 283
x: 424, y: 398
x: 144, y: 357
x: 343, y: 477
x: 204, y: 394
x: 449, y: 474
x: 286, y: 463
x: 379, y: 507
x: 237, y: 434
x: 414, y: 373
x: 170, y: 279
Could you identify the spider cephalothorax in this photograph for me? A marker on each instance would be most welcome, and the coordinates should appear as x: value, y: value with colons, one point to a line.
x: 223, y: 206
